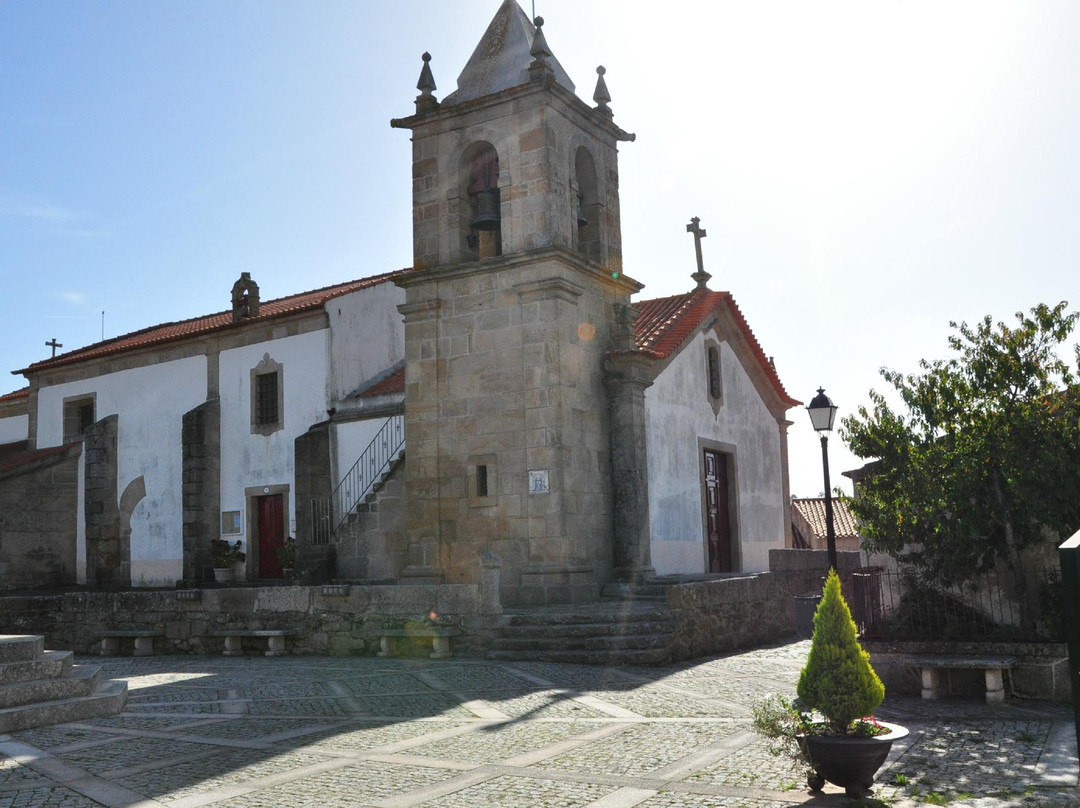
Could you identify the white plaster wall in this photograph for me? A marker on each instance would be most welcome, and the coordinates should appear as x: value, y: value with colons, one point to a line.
x: 150, y: 402
x: 14, y: 428
x: 367, y: 336
x: 350, y: 440
x: 678, y: 412
x: 249, y: 460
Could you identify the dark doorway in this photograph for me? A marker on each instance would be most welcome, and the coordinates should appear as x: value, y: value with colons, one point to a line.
x: 271, y: 527
x: 717, y: 513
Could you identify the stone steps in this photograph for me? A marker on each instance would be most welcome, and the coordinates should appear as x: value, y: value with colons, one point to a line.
x: 39, y: 687
x: 627, y: 632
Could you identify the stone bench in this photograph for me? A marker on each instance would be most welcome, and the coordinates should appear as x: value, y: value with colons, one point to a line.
x: 440, y: 640
x: 275, y: 640
x: 109, y: 640
x: 931, y: 666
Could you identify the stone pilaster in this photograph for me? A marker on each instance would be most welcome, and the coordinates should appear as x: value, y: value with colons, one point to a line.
x: 627, y: 375
x: 311, y: 461
x: 108, y: 558
x: 201, y: 491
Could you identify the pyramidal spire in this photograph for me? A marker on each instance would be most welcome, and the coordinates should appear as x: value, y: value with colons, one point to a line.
x: 503, y: 56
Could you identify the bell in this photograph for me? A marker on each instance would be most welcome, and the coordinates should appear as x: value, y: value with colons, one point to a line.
x: 581, y: 220
x: 487, y: 217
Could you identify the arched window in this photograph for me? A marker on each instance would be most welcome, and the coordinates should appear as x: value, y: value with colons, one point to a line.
x: 587, y: 209
x: 483, y: 208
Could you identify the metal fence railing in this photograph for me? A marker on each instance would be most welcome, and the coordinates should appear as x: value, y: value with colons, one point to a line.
x: 1001, y: 605
x: 328, y: 514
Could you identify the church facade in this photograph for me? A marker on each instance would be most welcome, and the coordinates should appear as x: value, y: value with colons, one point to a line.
x: 504, y: 398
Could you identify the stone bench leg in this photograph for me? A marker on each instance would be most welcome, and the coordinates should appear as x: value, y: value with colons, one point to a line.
x: 441, y: 646
x: 110, y: 646
x: 144, y: 646
x: 234, y: 646
x: 931, y: 683
x: 995, y: 686
x: 275, y: 646
x: 388, y: 647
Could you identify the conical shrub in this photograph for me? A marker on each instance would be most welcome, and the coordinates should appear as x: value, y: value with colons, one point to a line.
x: 838, y: 681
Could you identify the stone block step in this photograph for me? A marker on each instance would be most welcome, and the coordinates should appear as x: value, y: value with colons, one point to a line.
x: 588, y: 629
x: 21, y: 647
x: 50, y: 665
x: 648, y: 656
x: 82, y: 680
x: 610, y: 616
x: 601, y: 643
x: 107, y: 700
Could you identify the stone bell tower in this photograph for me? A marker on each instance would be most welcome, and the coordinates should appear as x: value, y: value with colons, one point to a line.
x: 516, y: 298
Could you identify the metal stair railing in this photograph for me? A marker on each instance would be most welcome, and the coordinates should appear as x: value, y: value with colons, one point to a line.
x: 328, y: 515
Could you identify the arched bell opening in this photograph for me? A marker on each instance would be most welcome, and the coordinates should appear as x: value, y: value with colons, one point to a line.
x: 587, y: 209
x: 482, y: 220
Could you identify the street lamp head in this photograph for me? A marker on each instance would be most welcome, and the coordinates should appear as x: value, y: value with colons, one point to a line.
x: 822, y: 411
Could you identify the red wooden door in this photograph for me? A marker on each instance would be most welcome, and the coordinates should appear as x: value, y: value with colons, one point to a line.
x: 271, y: 534
x: 717, y: 516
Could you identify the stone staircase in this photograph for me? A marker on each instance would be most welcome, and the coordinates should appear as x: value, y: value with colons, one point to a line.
x: 635, y: 630
x: 39, y: 687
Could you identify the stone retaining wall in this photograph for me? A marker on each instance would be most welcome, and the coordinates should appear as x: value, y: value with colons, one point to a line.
x: 327, y: 620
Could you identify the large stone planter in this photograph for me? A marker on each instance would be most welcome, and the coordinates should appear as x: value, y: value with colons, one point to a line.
x: 223, y: 574
x: 848, y: 762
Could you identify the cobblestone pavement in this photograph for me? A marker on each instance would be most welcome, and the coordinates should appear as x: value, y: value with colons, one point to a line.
x: 462, y: 733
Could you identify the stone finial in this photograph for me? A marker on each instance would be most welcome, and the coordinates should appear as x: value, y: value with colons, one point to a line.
x: 539, y: 69
x: 601, y: 95
x: 426, y: 85
x: 539, y: 50
x: 245, y: 298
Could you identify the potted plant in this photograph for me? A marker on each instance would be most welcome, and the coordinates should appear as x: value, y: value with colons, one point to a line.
x: 831, y: 725
x: 223, y: 556
x: 286, y: 555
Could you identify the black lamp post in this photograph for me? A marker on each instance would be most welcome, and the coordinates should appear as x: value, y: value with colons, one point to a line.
x: 822, y: 414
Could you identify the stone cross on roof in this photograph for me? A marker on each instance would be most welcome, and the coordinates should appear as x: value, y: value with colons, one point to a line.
x: 701, y: 276
x: 54, y: 345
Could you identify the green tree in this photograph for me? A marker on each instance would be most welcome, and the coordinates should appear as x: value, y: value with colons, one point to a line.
x: 984, y: 460
x: 838, y: 681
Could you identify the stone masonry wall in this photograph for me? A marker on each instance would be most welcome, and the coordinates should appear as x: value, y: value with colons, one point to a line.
x: 330, y: 620
x: 38, y: 513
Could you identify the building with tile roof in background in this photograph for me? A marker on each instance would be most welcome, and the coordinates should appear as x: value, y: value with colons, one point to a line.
x: 504, y: 397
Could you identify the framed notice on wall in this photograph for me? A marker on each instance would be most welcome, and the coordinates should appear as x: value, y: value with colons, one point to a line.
x: 232, y: 523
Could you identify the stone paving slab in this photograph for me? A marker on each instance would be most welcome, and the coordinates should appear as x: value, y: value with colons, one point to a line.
x: 330, y: 732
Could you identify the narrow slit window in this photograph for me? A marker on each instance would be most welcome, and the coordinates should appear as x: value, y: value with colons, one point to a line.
x: 482, y: 481
x: 714, y: 372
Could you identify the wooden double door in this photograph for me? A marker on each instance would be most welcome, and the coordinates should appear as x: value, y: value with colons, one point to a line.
x: 717, y: 512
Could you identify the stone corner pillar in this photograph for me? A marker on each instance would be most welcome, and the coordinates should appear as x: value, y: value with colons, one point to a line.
x: 490, y: 570
x: 627, y: 374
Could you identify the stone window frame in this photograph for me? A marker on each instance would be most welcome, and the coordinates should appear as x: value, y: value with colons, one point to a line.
x: 487, y: 461
x: 714, y: 377
x: 74, y: 429
x: 267, y: 366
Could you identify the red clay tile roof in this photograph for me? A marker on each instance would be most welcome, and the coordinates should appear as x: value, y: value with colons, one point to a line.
x: 666, y: 322
x: 15, y: 395
x: 394, y: 383
x: 171, y: 332
x: 813, y: 510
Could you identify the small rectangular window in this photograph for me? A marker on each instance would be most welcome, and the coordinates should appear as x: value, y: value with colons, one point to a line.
x: 79, y: 416
x: 481, y: 481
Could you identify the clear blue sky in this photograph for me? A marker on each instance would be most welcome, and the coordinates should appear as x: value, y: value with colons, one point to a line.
x: 866, y: 171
